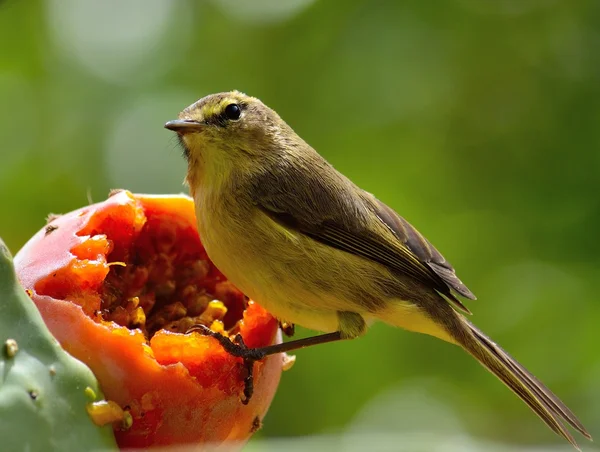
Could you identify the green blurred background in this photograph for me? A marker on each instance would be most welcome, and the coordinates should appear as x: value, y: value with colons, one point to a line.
x: 478, y: 120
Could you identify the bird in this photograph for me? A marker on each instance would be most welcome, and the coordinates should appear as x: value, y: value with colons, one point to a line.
x: 314, y: 249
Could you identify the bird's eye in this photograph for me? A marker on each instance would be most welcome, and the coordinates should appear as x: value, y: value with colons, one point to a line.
x: 233, y: 111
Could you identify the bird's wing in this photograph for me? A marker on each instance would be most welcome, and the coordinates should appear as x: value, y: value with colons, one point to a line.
x: 421, y: 248
x: 329, y: 209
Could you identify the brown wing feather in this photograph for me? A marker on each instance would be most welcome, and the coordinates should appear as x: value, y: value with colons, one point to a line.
x: 398, y: 257
x: 422, y: 248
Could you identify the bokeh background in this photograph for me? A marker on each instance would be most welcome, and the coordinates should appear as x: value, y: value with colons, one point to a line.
x: 478, y: 120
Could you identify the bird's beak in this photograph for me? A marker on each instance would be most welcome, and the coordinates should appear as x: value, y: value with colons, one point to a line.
x: 184, y: 126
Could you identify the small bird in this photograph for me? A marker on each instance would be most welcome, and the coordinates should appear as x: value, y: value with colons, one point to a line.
x: 315, y: 250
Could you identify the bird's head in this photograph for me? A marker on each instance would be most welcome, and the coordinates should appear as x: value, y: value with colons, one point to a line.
x: 225, y: 129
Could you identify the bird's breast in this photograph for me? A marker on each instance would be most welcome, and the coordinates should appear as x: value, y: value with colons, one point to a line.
x: 237, y: 241
x: 268, y: 263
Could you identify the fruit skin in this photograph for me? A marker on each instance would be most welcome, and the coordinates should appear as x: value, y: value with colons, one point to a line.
x: 42, y: 388
x: 179, y: 389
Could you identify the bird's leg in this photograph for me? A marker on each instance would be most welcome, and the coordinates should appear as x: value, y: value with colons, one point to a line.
x: 250, y: 355
x: 238, y: 348
x: 350, y: 325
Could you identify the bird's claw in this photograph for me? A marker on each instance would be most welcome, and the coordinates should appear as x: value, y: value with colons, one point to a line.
x: 236, y: 348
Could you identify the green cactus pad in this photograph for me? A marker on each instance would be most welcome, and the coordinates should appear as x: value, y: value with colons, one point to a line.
x: 43, y: 394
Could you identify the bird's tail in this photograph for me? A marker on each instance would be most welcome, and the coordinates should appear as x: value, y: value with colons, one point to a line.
x: 528, y: 388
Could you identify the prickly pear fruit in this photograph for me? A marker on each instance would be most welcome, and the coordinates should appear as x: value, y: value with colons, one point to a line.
x: 119, y: 284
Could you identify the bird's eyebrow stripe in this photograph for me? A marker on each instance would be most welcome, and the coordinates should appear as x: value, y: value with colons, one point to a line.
x: 210, y: 111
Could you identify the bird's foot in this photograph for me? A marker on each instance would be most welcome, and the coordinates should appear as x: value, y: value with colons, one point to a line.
x: 237, y: 348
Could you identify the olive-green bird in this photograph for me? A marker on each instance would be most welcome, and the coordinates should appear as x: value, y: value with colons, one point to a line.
x: 314, y: 249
